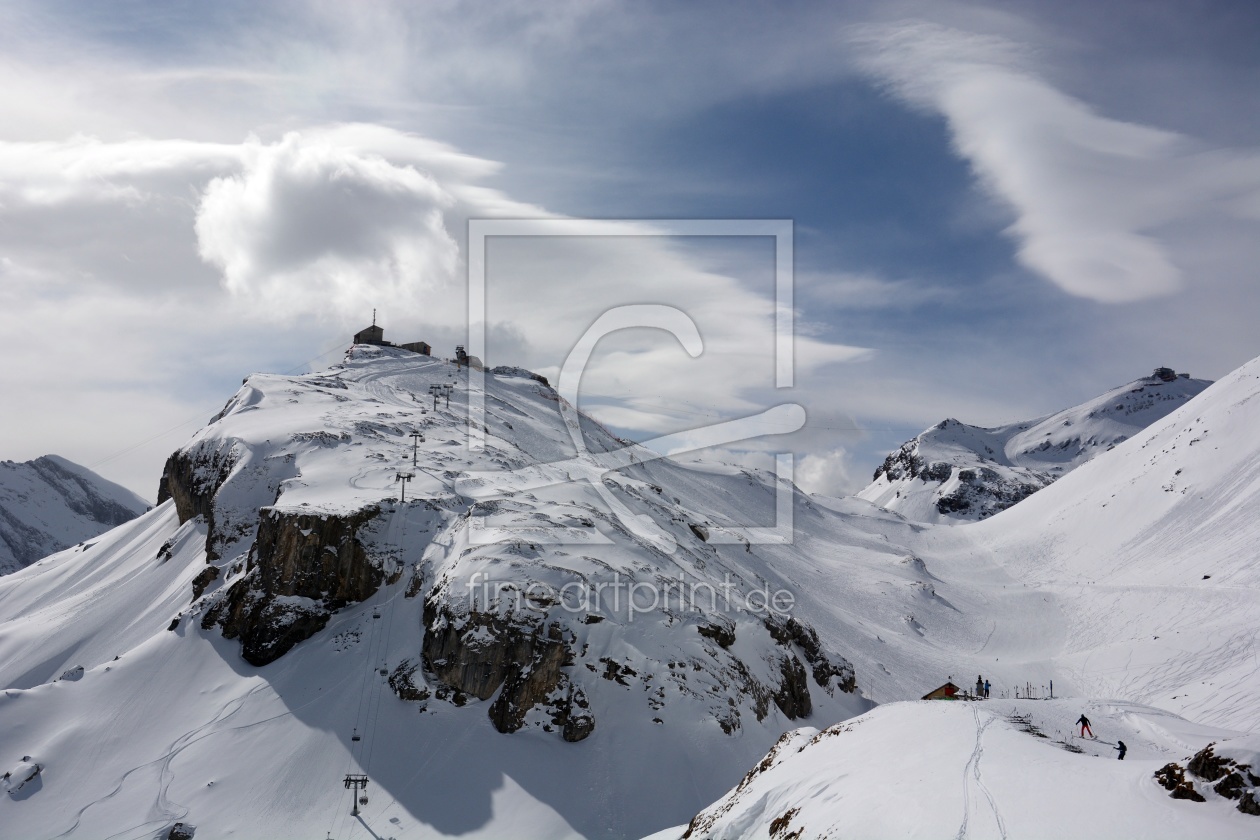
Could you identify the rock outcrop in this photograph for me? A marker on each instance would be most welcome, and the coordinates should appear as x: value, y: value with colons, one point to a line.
x: 303, y: 567
x: 1225, y: 775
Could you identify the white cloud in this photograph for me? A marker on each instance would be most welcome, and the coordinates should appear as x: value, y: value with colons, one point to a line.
x: 828, y: 473
x: 216, y: 257
x: 311, y: 226
x: 1090, y: 193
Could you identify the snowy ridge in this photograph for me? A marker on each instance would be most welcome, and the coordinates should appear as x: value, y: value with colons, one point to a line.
x: 50, y: 503
x: 955, y: 472
x: 990, y: 769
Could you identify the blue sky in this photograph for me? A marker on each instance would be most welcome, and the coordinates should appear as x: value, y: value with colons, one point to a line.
x: 999, y: 209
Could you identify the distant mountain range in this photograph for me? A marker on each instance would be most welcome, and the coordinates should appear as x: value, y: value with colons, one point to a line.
x: 50, y: 503
x: 955, y: 472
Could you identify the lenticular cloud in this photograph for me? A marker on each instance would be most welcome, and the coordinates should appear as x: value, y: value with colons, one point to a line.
x: 1090, y: 194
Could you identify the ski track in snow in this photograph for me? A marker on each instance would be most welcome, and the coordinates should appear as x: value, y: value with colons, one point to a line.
x: 971, y: 773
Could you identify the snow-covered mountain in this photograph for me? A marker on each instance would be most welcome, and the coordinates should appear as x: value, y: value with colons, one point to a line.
x: 50, y: 503
x: 1148, y: 553
x: 1141, y: 564
x: 954, y: 472
x: 283, y: 619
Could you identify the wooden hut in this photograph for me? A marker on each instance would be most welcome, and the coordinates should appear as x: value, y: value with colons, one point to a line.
x: 949, y: 691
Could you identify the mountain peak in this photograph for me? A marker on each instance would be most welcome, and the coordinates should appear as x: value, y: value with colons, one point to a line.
x: 955, y: 472
x: 50, y: 502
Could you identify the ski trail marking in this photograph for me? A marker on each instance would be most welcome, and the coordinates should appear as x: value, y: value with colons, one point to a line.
x: 972, y: 772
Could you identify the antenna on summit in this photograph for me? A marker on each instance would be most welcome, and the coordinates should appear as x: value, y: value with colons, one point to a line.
x: 374, y: 316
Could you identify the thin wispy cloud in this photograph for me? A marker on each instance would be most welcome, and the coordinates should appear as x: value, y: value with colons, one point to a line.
x: 1090, y: 193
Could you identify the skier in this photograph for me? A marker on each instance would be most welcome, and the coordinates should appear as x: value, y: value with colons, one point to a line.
x: 1122, y: 748
x: 1084, y: 722
x: 979, y: 686
x: 986, y: 689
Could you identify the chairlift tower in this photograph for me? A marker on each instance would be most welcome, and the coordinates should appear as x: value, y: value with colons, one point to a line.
x: 357, y: 782
x: 404, y: 478
x: 435, y: 390
x: 416, y: 439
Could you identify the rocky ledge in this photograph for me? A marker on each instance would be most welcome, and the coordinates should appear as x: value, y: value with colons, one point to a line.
x: 303, y: 567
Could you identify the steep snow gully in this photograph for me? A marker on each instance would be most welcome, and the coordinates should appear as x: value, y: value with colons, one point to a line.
x: 283, y: 620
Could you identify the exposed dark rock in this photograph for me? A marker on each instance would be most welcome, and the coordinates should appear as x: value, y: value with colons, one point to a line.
x: 823, y: 665
x: 1173, y: 777
x: 938, y: 472
x: 617, y: 672
x: 1170, y: 776
x: 1186, y: 791
x: 415, y: 584
x: 779, y: 826
x: 483, y: 653
x: 303, y: 567
x: 902, y: 463
x: 1207, y: 765
x: 1232, y: 780
x: 723, y: 635
x: 192, y: 480
x: 573, y: 715
x: 203, y: 579
x: 986, y: 492
x: 792, y: 698
x: 181, y: 831
x: 403, y: 684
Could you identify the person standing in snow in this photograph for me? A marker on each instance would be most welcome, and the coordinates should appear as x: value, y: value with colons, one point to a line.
x: 986, y: 689
x: 1084, y: 722
x: 979, y: 686
x: 1122, y: 748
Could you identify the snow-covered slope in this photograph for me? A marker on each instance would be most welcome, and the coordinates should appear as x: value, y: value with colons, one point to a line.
x: 979, y: 770
x: 50, y: 503
x: 1143, y: 561
x: 954, y: 472
x: 1149, y: 553
x: 282, y: 619
x: 213, y: 661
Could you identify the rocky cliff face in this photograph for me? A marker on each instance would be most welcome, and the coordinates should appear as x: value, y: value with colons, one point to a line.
x: 302, y: 568
x: 191, y: 479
